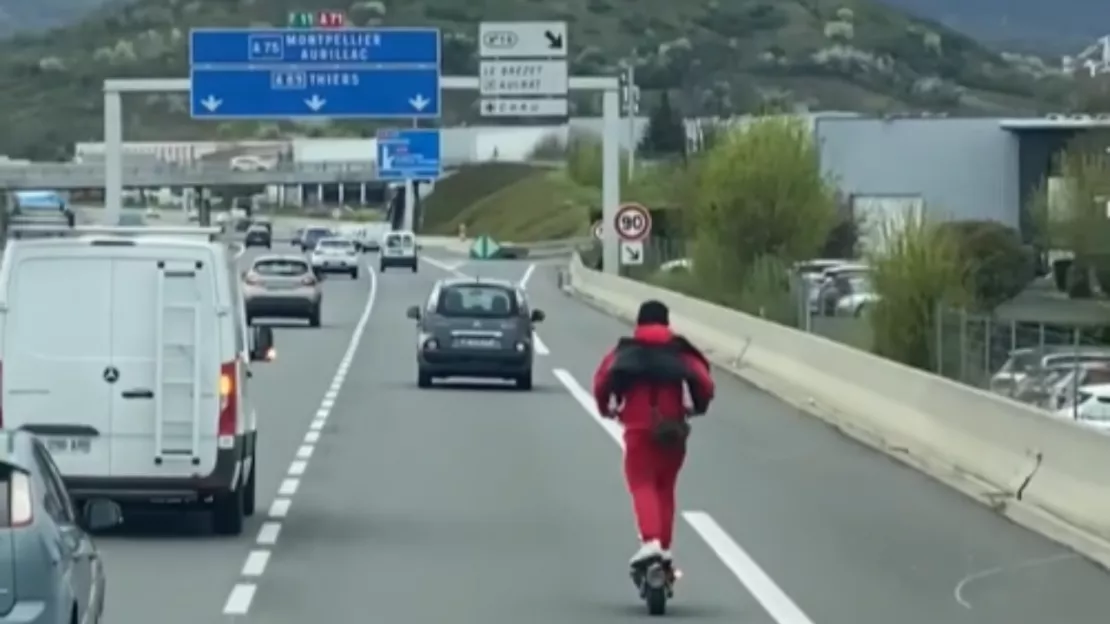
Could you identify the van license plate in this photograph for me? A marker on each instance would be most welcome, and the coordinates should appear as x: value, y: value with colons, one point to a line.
x: 79, y: 446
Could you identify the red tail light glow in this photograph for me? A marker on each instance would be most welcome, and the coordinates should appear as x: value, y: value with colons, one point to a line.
x: 228, y: 403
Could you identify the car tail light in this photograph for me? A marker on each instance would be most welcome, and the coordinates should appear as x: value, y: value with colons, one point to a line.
x: 252, y: 279
x: 20, y: 505
x: 228, y: 404
x: 308, y: 280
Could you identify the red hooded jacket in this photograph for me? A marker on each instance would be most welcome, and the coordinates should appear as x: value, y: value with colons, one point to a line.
x: 636, y: 412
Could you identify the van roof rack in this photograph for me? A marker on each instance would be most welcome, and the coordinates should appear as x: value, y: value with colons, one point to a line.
x: 63, y: 231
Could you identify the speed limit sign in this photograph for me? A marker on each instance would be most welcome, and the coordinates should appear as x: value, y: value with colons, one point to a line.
x: 633, y: 222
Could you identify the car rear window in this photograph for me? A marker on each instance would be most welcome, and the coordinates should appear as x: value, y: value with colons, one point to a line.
x: 399, y: 241
x: 281, y: 268
x: 336, y: 244
x: 478, y: 300
x: 317, y: 233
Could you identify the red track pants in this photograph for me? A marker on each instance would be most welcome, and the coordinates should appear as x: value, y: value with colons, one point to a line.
x: 652, y: 474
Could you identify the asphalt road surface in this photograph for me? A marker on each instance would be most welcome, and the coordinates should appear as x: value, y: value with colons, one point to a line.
x: 481, y: 505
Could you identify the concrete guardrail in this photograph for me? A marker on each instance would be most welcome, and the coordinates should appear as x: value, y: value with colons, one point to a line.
x: 1050, y: 475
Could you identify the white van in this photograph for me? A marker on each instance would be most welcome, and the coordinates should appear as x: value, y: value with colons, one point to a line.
x: 398, y: 250
x: 127, y: 350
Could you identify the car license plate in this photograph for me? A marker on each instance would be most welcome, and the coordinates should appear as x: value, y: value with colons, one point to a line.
x: 78, y: 446
x: 478, y: 343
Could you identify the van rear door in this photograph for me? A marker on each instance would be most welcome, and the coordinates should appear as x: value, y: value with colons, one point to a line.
x: 155, y: 284
x: 57, y: 356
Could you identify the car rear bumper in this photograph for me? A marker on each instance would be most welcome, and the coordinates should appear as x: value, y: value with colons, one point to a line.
x: 281, y: 306
x: 226, y: 476
x: 471, y: 364
x: 404, y: 261
x: 334, y: 266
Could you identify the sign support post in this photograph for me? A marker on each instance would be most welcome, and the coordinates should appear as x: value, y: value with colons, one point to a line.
x: 611, y: 124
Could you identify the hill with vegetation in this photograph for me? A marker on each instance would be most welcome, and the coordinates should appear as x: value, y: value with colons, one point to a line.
x: 718, y: 57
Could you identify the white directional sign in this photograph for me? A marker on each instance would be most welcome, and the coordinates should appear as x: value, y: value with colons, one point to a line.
x: 522, y: 40
x: 524, y: 107
x: 633, y: 222
x: 632, y: 253
x: 523, y: 78
x: 522, y: 69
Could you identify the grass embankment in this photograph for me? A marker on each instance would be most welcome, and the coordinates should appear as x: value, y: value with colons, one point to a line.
x: 542, y: 204
x: 466, y: 186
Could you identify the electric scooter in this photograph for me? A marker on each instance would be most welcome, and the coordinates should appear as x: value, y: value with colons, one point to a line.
x: 655, y: 580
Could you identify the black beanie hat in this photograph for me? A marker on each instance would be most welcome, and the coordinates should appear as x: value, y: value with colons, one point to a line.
x: 653, y: 312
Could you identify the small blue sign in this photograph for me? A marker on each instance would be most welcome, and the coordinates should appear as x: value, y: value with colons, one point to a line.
x: 409, y: 154
x: 328, y: 73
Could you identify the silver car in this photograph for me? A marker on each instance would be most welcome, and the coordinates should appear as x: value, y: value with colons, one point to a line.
x: 336, y: 255
x: 282, y: 287
x: 52, y: 573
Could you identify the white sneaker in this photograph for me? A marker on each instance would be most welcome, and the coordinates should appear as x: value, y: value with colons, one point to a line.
x: 648, y: 550
x: 667, y: 555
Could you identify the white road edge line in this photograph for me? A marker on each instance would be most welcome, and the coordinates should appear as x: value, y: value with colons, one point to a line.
x: 242, y: 594
x: 539, y: 345
x: 758, y: 583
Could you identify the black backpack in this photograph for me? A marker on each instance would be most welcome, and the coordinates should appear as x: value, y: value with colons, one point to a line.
x: 636, y: 363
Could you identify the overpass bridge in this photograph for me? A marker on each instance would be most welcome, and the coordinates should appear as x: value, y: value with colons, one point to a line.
x: 61, y: 176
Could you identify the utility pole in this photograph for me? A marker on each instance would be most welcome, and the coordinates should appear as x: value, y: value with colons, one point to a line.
x: 630, y: 108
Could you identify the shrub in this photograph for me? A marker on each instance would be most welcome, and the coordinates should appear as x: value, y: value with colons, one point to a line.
x: 758, y: 192
x: 918, y: 269
x: 999, y: 265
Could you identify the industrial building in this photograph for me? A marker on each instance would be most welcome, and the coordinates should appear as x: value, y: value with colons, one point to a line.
x: 951, y: 168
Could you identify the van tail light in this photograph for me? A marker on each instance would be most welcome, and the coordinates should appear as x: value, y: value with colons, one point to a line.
x: 228, y: 404
x: 20, y: 506
x: 252, y: 279
x: 308, y: 280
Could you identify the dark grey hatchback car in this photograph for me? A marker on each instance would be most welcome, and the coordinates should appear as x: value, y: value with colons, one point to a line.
x: 475, y: 328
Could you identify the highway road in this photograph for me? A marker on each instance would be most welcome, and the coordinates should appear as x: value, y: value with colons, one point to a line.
x: 382, y: 502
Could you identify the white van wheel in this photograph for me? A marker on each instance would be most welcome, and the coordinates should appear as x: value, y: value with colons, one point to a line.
x: 227, y: 513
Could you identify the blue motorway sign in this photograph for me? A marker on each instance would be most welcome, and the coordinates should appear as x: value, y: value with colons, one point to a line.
x: 409, y: 154
x: 330, y: 73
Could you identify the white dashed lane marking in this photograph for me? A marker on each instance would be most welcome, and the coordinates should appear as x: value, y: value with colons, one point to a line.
x: 242, y: 594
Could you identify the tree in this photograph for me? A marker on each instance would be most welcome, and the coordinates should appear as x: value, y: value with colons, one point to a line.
x: 758, y: 193
x: 666, y: 132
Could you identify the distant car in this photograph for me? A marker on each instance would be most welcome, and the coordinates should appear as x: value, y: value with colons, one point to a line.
x: 258, y: 236
x: 475, y: 328
x: 311, y: 236
x: 131, y: 218
x: 152, y: 213
x: 297, y: 235
x: 336, y: 255
x: 50, y: 571
x: 282, y: 287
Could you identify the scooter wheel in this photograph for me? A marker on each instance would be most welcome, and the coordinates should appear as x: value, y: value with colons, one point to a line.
x: 656, y: 598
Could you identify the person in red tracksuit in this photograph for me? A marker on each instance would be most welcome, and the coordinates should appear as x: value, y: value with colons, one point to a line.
x: 642, y: 383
